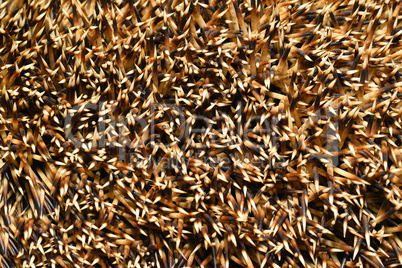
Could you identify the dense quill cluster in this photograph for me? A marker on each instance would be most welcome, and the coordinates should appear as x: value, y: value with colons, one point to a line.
x: 200, y: 133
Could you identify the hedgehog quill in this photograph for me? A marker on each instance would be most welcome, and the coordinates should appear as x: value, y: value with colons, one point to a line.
x: 180, y: 133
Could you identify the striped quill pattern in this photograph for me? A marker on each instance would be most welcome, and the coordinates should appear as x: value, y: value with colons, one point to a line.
x: 208, y: 133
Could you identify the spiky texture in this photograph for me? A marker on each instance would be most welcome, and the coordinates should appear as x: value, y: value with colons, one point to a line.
x: 200, y: 133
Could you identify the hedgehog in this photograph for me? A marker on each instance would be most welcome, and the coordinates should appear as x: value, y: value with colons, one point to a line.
x: 200, y: 133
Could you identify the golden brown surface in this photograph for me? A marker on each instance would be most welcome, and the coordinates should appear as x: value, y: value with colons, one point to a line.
x: 200, y: 133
